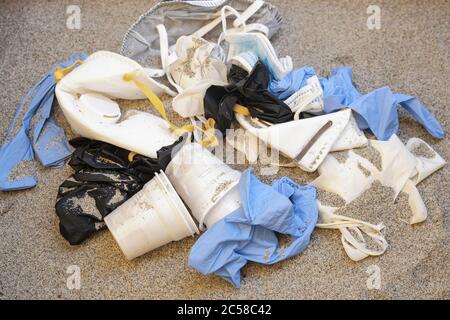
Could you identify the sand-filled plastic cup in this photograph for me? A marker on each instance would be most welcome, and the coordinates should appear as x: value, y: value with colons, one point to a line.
x: 150, y: 219
x: 202, y: 180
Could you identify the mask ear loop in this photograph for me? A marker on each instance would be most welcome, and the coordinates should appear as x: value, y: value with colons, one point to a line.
x: 250, y: 11
x: 224, y: 16
x: 166, y: 59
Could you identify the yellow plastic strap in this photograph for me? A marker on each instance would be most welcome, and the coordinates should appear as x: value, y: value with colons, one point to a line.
x: 211, y: 139
x: 131, y: 155
x: 241, y: 110
x: 60, y: 72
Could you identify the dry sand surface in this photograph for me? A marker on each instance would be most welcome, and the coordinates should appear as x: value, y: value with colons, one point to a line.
x: 410, y: 53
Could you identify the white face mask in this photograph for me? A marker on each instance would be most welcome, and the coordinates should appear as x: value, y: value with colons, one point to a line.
x: 180, y: 17
x: 196, y: 62
x: 103, y: 72
x: 240, y: 43
x: 85, y: 97
x: 315, y: 137
x: 401, y: 170
x: 308, y: 99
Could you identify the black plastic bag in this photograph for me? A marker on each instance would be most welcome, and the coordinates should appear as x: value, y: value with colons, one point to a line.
x: 250, y: 92
x: 105, y: 177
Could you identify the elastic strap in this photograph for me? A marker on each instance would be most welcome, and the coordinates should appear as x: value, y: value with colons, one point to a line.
x: 210, y: 139
x: 60, y: 72
x: 250, y: 11
x: 224, y: 16
x: 166, y: 59
x: 241, y: 110
x: 240, y: 20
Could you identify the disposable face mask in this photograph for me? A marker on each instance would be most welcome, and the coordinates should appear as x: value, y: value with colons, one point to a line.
x: 105, y: 177
x: 398, y: 165
x: 182, y: 18
x: 353, y: 233
x: 260, y: 45
x: 425, y: 166
x: 401, y: 170
x: 308, y: 98
x: 196, y: 63
x: 103, y: 73
x: 314, y: 137
x: 85, y: 96
x: 189, y: 103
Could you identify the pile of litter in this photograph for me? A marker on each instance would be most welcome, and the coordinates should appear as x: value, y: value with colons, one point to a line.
x: 151, y: 181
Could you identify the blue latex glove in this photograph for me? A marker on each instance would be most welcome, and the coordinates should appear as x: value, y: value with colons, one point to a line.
x: 376, y: 110
x: 48, y: 140
x: 338, y: 89
x: 250, y: 233
x: 291, y: 83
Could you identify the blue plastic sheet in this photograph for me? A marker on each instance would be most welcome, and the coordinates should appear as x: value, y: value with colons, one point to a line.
x: 48, y: 140
x: 250, y: 233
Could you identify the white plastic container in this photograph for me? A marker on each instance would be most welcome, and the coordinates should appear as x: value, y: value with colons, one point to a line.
x: 150, y: 219
x: 207, y: 185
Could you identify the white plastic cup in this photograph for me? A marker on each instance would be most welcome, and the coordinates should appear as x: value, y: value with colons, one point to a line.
x: 207, y: 185
x: 150, y: 219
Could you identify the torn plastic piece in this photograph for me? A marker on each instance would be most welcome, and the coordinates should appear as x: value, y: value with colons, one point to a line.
x: 250, y: 232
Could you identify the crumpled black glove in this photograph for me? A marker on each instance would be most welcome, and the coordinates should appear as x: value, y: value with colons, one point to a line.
x: 250, y: 92
x: 105, y: 177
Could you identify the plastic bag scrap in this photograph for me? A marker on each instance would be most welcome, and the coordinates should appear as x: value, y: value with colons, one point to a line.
x: 401, y: 170
x: 250, y: 233
x: 48, y: 142
x: 252, y: 93
x: 376, y: 110
x: 105, y: 177
x: 201, y: 18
